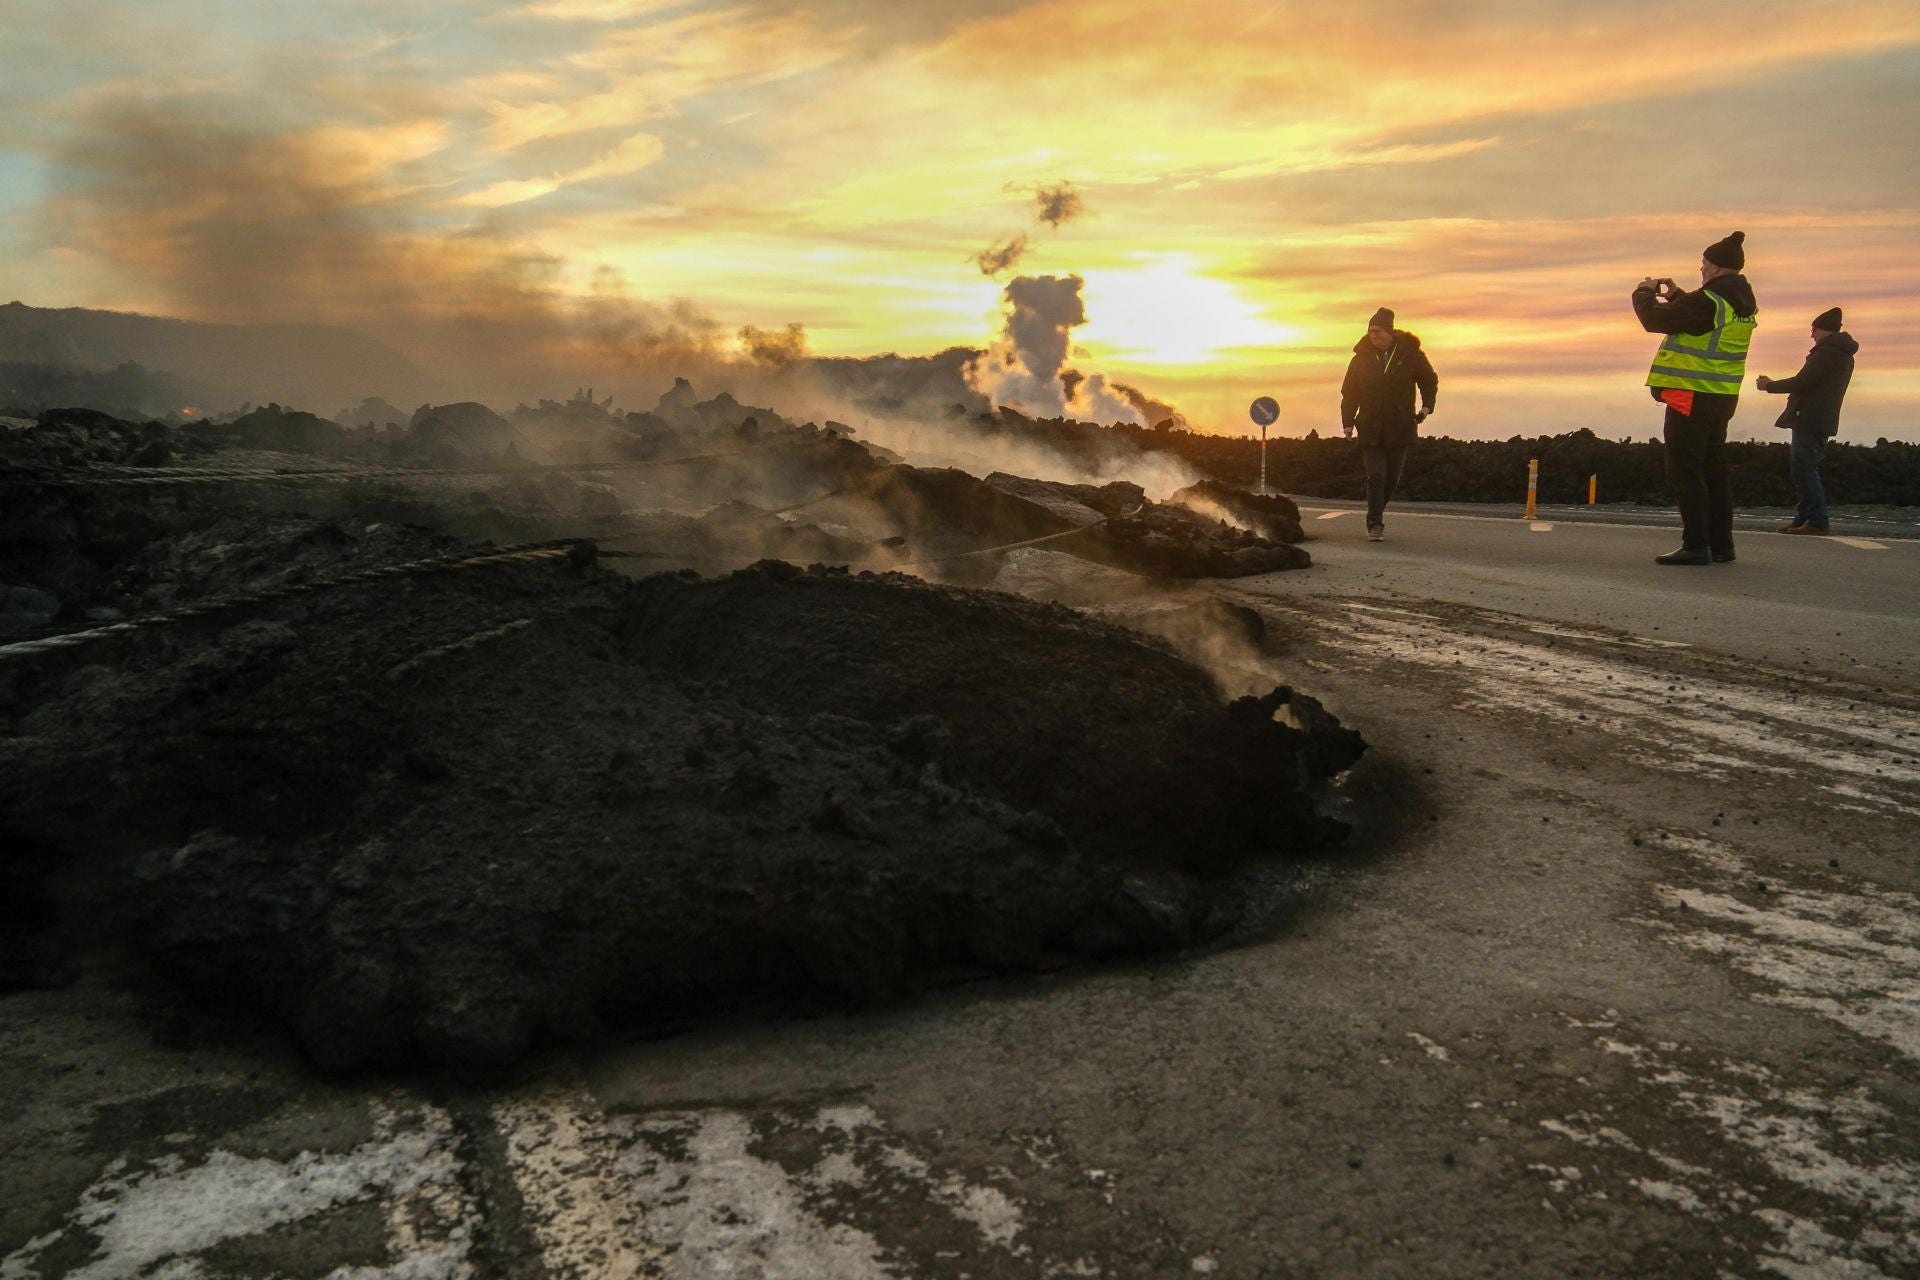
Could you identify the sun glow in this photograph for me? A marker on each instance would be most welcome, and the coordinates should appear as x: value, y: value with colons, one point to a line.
x: 1170, y: 313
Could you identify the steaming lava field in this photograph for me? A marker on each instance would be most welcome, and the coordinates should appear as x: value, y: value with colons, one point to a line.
x: 569, y: 846
x: 293, y: 742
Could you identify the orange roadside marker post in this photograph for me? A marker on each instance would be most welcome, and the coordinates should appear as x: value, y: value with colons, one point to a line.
x: 1593, y: 490
x: 1533, y: 485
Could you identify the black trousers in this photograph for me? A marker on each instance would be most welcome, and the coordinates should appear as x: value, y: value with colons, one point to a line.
x: 1384, y: 466
x: 1697, y: 472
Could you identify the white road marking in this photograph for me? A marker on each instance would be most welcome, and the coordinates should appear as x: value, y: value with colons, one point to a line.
x: 1638, y: 642
x: 1541, y: 526
x: 687, y: 1194
x: 1864, y: 544
x: 159, y: 1218
x: 1334, y: 515
x: 668, y: 1195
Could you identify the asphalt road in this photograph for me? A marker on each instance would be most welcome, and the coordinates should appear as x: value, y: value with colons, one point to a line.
x: 1619, y: 975
x: 1849, y: 600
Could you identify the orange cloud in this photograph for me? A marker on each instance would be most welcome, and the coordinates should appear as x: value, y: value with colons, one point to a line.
x: 630, y: 156
x: 647, y: 71
x: 1497, y: 172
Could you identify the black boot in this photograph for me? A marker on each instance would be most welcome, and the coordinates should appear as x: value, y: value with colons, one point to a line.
x: 1685, y: 555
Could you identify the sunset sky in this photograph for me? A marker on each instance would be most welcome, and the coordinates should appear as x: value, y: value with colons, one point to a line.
x: 1252, y: 180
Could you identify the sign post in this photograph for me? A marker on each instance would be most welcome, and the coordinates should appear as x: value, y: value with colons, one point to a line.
x: 1265, y: 411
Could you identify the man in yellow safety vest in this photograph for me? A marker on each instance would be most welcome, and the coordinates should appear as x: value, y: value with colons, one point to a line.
x: 1697, y: 374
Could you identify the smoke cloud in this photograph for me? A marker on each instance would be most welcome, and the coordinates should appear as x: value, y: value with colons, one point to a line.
x: 1001, y: 255
x: 1152, y: 410
x: 775, y: 348
x: 1059, y: 204
x: 1027, y: 369
x: 1055, y: 206
x: 228, y: 218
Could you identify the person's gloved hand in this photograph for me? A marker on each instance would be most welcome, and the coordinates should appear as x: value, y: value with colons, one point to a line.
x: 1346, y: 429
x: 1422, y: 416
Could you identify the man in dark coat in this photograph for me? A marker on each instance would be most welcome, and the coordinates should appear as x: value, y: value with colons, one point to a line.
x: 1813, y: 414
x: 1697, y: 374
x: 1376, y: 400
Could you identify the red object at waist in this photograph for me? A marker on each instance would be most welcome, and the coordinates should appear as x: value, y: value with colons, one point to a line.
x: 1681, y: 401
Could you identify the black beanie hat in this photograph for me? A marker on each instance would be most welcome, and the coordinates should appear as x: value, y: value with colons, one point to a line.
x: 1828, y: 320
x: 1382, y: 319
x: 1728, y: 253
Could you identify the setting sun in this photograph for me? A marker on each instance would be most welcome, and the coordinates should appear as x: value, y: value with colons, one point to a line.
x: 1167, y: 313
x: 633, y: 183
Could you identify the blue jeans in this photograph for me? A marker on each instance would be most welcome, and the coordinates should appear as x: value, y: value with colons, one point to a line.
x: 1809, y: 447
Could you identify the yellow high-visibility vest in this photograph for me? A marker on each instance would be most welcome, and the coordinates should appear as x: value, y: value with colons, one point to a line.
x: 1714, y: 362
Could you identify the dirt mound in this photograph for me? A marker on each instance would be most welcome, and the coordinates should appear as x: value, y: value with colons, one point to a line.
x: 1194, y: 535
x: 460, y: 434
x: 445, y: 822
x: 941, y: 512
x: 1075, y: 503
x: 1169, y: 761
x: 287, y: 431
x: 1165, y: 541
x: 63, y: 438
x: 1273, y: 516
x: 736, y: 533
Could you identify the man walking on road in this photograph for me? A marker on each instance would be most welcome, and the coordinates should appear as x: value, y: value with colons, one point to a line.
x: 1697, y: 374
x: 1376, y: 399
x: 1813, y: 414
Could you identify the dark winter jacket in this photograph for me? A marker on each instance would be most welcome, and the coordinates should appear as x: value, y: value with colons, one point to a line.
x: 1814, y: 394
x: 1693, y: 312
x: 1376, y: 398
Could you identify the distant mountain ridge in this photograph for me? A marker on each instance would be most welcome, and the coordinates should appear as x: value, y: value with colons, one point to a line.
x: 303, y: 364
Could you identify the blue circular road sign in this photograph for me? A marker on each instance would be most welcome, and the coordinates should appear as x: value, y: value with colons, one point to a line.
x: 1266, y: 411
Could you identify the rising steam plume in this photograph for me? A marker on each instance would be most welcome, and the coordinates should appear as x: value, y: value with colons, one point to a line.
x: 227, y: 216
x: 1027, y: 369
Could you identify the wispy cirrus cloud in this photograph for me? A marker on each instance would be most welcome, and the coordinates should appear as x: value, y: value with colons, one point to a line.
x: 631, y: 156
x: 594, y: 10
x: 636, y: 74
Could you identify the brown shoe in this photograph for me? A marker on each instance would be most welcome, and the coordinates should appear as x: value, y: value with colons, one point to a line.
x: 1819, y: 529
x: 1791, y: 528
